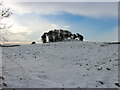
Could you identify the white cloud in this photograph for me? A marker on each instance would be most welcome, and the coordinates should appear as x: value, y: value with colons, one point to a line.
x: 92, y: 9
x: 67, y: 27
x: 17, y: 28
x: 17, y: 37
x: 31, y: 30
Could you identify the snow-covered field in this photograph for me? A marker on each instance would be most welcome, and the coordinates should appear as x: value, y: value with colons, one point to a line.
x: 62, y: 65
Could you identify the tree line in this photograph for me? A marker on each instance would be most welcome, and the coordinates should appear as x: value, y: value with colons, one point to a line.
x: 60, y: 35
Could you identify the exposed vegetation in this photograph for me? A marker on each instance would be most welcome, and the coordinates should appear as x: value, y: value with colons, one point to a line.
x: 8, y: 45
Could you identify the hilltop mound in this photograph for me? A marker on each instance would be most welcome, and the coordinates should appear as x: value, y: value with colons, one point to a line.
x: 67, y: 65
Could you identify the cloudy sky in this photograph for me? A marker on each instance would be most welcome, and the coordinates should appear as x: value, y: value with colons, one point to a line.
x: 96, y: 21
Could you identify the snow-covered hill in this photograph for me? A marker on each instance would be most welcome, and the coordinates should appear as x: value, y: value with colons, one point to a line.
x: 63, y: 65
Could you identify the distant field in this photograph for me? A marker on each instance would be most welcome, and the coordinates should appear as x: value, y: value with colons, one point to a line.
x: 17, y: 42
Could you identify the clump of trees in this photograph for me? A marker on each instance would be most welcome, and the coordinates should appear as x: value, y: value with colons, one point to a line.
x: 60, y: 35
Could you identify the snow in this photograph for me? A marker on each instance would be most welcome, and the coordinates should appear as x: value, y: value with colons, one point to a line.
x: 0, y: 65
x: 61, y: 65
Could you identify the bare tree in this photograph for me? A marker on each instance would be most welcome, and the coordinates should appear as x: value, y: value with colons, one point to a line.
x: 4, y: 13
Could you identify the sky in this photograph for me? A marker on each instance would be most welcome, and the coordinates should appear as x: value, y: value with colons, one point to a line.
x: 96, y: 21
